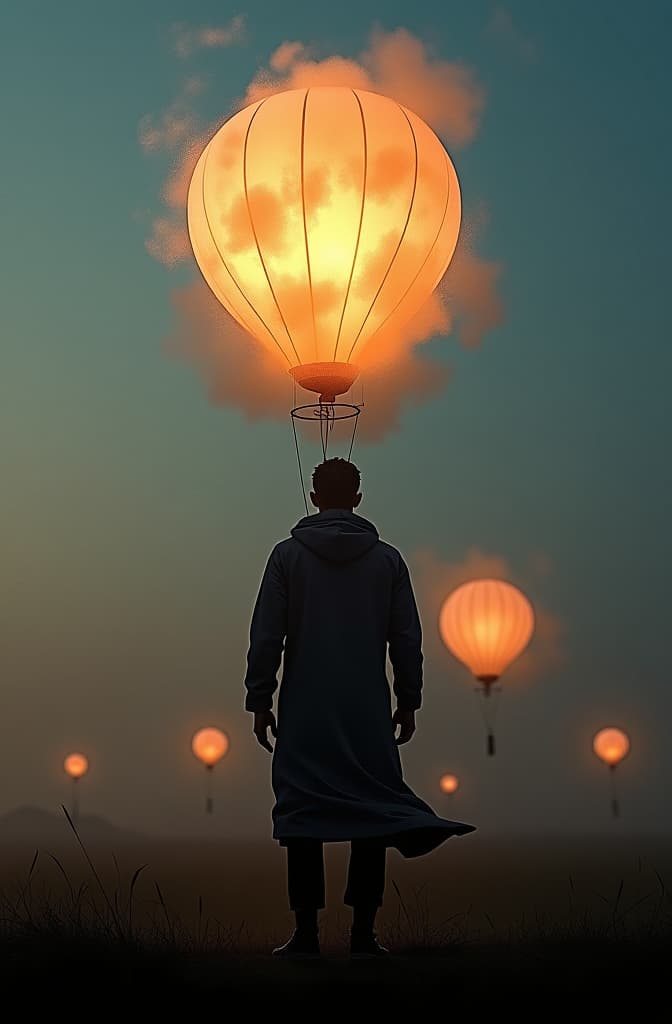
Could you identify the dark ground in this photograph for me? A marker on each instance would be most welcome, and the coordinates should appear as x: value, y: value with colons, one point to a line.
x: 521, y: 925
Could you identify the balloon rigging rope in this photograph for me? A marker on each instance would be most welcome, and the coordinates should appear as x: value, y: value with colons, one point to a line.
x: 326, y: 413
x: 488, y: 705
x: 615, y: 807
x: 324, y: 431
x: 298, y: 459
x: 352, y: 439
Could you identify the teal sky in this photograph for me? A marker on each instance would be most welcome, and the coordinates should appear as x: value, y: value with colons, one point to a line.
x: 137, y: 516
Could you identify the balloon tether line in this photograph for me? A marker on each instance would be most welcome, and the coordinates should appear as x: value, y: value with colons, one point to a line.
x: 298, y: 459
x: 489, y: 711
x: 352, y: 439
x: 75, y: 799
x: 327, y: 413
x: 615, y: 807
x: 208, y: 791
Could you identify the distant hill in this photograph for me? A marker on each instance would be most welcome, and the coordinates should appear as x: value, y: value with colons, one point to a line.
x: 39, y: 827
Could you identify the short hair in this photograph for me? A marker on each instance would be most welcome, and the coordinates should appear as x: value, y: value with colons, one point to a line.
x: 336, y: 481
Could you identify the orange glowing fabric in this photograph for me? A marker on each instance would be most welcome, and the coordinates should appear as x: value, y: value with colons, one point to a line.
x: 611, y: 746
x: 209, y: 746
x: 76, y: 765
x: 322, y: 219
x: 486, y: 624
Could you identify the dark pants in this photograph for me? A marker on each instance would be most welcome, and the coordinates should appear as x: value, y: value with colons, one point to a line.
x: 305, y: 874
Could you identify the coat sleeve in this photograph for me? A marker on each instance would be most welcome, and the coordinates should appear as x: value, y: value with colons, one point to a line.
x: 405, y: 643
x: 267, y: 637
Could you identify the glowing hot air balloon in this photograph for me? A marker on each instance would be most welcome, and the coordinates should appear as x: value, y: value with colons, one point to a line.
x: 486, y: 624
x: 611, y: 746
x: 322, y: 219
x: 449, y: 783
x: 76, y: 766
x: 209, y: 745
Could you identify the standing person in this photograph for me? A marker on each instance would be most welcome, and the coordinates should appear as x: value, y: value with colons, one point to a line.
x: 336, y: 599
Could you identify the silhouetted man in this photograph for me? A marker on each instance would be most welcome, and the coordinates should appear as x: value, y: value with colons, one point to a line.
x: 337, y: 598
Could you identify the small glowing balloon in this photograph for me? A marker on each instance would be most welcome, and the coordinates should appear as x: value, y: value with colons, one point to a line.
x: 322, y: 219
x: 611, y: 746
x: 76, y: 765
x: 486, y: 624
x: 449, y: 783
x: 209, y: 746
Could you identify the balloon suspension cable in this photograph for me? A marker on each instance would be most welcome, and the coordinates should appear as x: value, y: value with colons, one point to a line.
x: 352, y: 439
x: 354, y: 428
x: 75, y: 800
x: 298, y: 459
x: 488, y: 706
x: 615, y: 805
x: 326, y: 417
x: 327, y: 414
x: 208, y: 790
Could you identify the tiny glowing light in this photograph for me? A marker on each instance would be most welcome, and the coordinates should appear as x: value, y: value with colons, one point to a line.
x: 611, y: 745
x: 76, y: 765
x: 210, y: 745
x: 449, y: 783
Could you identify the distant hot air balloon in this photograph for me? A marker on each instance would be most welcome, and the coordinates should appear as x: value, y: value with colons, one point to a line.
x: 209, y: 745
x: 76, y: 766
x: 449, y: 783
x: 611, y: 746
x: 322, y: 219
x: 486, y: 624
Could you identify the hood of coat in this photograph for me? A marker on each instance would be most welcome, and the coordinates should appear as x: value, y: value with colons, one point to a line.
x: 336, y: 535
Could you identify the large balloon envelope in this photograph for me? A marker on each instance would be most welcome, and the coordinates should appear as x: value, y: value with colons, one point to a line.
x: 486, y: 624
x: 322, y: 219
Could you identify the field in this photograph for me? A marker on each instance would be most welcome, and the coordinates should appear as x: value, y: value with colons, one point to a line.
x: 477, y: 924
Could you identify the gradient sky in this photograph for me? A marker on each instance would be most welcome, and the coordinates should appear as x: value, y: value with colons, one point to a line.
x: 137, y: 517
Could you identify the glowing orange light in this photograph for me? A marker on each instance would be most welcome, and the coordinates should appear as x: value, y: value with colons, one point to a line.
x: 209, y: 746
x: 448, y: 783
x: 76, y: 765
x: 611, y: 746
x: 486, y: 624
x: 322, y: 219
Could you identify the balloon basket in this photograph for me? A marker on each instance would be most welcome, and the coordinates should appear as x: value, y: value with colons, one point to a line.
x: 325, y: 415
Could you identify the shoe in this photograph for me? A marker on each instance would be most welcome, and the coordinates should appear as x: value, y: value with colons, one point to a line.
x: 366, y: 946
x: 301, y: 946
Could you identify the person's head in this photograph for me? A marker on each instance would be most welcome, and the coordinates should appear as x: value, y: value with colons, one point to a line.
x: 336, y: 485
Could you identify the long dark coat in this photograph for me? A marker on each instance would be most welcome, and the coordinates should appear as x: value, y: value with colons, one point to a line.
x: 337, y: 599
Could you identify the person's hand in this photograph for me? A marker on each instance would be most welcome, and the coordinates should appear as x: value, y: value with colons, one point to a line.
x: 405, y: 720
x: 263, y: 721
